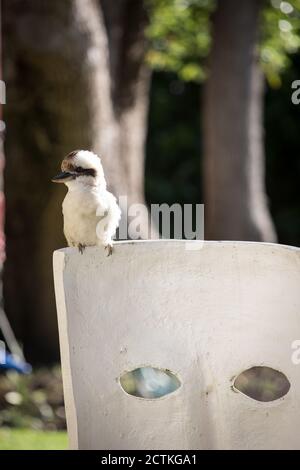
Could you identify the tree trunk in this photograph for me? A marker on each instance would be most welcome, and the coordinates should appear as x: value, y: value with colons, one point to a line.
x: 125, y: 22
x: 59, y: 99
x: 234, y: 181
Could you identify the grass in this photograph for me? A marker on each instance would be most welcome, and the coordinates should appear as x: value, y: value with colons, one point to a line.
x: 27, y: 439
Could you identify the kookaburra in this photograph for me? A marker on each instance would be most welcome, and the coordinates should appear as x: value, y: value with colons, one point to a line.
x: 91, y: 213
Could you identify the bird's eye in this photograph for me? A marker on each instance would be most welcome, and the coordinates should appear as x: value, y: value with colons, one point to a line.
x: 79, y: 169
x: 85, y: 171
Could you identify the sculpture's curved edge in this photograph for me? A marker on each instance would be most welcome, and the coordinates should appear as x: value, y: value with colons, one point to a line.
x: 58, y: 269
x: 202, y: 243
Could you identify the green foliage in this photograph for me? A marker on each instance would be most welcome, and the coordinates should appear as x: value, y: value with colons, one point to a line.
x: 180, y: 36
x: 280, y: 37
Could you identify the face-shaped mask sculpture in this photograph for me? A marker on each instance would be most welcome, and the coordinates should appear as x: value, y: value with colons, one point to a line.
x: 167, y: 348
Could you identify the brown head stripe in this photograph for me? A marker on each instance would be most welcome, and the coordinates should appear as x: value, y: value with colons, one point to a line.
x: 67, y: 163
x: 87, y: 172
x: 71, y: 154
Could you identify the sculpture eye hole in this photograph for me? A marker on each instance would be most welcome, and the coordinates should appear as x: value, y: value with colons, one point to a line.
x: 149, y: 382
x: 262, y: 383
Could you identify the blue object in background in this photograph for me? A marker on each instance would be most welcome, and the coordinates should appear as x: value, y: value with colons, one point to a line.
x: 11, y: 363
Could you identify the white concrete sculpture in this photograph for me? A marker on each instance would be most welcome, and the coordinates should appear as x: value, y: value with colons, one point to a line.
x: 165, y: 347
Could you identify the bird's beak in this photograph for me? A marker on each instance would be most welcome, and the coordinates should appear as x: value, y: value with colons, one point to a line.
x: 63, y: 177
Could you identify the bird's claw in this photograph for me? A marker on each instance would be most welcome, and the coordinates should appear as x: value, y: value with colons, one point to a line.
x: 81, y: 248
x: 109, y: 249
